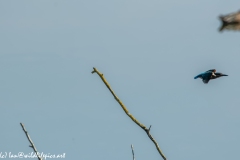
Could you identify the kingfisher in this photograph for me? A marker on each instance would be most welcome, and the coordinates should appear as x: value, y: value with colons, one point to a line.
x: 208, y: 75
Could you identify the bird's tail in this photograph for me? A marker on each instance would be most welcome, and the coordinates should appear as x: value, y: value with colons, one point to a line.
x: 197, y: 76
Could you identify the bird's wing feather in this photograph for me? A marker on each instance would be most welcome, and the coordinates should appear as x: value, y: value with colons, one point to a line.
x: 205, y: 81
x: 206, y: 77
x: 211, y: 70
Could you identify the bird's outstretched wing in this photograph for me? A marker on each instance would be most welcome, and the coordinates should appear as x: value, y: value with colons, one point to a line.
x: 211, y: 70
x: 206, y: 77
x: 205, y: 81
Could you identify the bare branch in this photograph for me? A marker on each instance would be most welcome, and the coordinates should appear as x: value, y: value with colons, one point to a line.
x: 129, y: 115
x: 29, y: 139
x: 132, y: 152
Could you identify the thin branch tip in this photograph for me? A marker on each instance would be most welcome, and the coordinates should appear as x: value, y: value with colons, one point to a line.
x: 132, y: 152
x: 94, y: 70
x: 149, y: 128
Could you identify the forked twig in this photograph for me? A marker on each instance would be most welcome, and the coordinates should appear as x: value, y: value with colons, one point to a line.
x: 29, y: 139
x: 129, y: 115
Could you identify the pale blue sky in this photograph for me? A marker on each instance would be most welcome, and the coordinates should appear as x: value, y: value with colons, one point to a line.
x: 149, y: 51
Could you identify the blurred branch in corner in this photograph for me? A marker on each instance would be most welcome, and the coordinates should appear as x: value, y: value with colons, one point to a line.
x: 230, y: 21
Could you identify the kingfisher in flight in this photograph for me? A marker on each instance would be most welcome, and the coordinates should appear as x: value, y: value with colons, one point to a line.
x: 208, y: 75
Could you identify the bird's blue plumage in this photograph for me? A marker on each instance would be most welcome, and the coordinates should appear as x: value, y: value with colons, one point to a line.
x: 208, y: 75
x: 198, y: 76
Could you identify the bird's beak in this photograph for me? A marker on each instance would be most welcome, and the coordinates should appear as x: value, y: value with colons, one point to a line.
x: 224, y: 75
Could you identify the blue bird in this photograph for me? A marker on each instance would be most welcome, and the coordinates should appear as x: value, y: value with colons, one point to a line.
x: 208, y: 75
